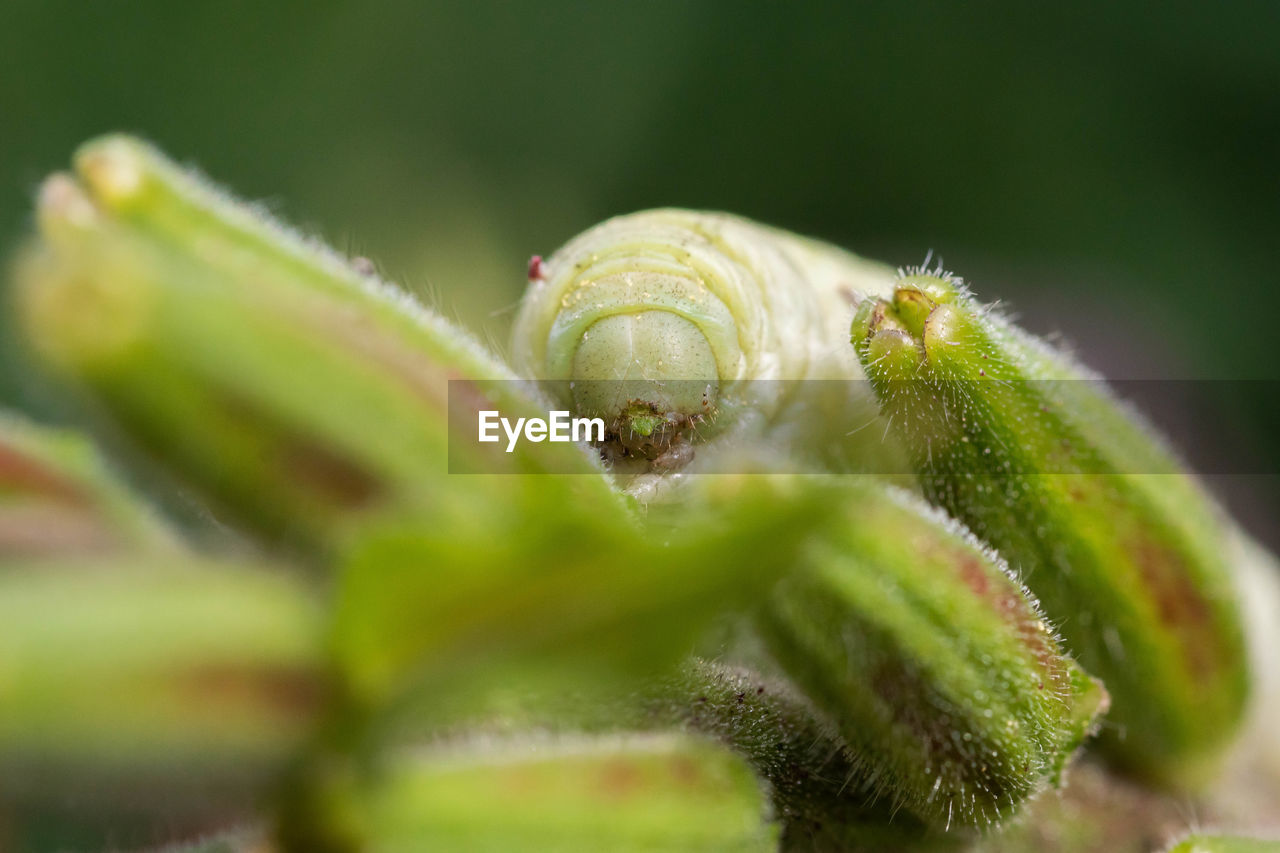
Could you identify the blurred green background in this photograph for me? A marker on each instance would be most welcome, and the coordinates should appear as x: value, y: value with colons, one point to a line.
x: 1108, y: 171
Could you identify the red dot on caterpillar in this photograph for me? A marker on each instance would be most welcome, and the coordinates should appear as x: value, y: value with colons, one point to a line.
x: 537, y: 270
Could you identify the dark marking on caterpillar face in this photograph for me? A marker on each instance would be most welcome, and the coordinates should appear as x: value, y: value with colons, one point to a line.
x: 642, y: 432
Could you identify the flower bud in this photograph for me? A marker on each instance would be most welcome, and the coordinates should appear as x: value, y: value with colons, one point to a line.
x: 147, y: 688
x: 57, y: 497
x: 824, y: 795
x: 294, y: 391
x: 1119, y: 543
x: 1202, y: 843
x: 933, y: 662
x: 625, y: 792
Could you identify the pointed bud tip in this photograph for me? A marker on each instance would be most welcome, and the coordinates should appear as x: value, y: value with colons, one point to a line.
x: 912, y: 308
x: 915, y: 298
x: 894, y: 354
x: 63, y: 209
x: 938, y: 288
x: 113, y: 168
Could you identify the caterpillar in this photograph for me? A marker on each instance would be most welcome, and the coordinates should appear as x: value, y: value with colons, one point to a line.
x: 679, y: 326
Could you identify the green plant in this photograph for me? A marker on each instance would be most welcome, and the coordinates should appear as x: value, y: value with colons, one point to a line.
x: 420, y: 641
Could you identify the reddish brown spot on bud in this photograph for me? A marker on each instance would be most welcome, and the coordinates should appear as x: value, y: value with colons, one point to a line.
x: 278, y: 690
x: 1179, y: 602
x: 619, y: 780
x: 22, y: 473
x: 337, y: 480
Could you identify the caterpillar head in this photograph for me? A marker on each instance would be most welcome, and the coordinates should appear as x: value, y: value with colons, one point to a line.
x: 677, y: 326
x: 631, y: 324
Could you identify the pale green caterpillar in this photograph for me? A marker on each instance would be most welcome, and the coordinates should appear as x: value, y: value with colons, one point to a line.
x: 676, y: 325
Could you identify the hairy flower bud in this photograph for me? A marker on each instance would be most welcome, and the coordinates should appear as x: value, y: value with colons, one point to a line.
x: 289, y: 387
x: 1205, y: 843
x: 57, y: 498
x: 934, y: 663
x: 1119, y: 543
x: 153, y: 688
x: 621, y: 792
x: 824, y: 794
